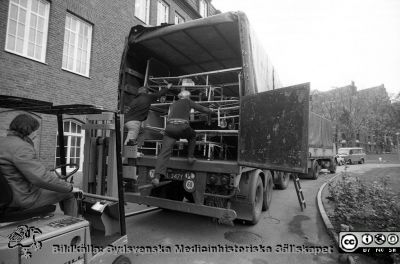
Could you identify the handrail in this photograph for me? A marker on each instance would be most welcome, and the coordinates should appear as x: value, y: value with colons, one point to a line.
x: 195, y: 74
x: 201, y: 102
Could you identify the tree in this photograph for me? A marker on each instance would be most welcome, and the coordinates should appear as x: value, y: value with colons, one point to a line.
x: 364, y: 115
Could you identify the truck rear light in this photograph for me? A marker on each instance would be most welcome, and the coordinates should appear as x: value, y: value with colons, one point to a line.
x: 190, y: 175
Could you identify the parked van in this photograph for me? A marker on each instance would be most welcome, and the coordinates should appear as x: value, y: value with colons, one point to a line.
x: 352, y: 155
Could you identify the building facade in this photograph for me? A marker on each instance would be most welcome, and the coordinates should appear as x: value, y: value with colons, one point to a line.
x: 358, y: 116
x: 69, y: 51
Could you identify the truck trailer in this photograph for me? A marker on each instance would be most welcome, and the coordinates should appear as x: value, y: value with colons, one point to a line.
x: 256, y: 140
x: 321, y: 147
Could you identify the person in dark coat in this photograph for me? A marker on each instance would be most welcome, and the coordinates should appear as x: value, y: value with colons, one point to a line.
x: 178, y: 127
x: 31, y: 183
x: 137, y: 111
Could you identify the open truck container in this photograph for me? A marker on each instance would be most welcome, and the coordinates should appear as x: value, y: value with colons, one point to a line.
x: 258, y: 138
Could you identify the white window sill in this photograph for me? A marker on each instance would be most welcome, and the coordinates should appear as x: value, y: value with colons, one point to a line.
x: 25, y: 57
x: 76, y: 73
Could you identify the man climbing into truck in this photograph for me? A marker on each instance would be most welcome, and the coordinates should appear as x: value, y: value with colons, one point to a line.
x: 138, y: 110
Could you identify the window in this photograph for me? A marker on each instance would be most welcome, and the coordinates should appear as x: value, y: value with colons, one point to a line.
x: 162, y: 12
x: 73, y: 141
x: 203, y: 8
x: 27, y: 28
x: 142, y: 10
x: 77, y: 43
x: 179, y: 19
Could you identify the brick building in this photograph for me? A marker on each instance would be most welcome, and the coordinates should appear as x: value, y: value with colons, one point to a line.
x: 68, y: 51
x: 357, y: 116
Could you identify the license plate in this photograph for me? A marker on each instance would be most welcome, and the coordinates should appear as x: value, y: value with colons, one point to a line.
x: 177, y: 176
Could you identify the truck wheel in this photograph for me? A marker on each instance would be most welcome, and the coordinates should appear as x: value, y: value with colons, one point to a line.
x: 267, y: 195
x: 256, y: 197
x: 282, y: 180
x: 361, y: 161
x: 314, y: 171
x: 349, y: 161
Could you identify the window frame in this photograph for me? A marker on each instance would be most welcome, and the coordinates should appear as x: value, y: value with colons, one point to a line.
x: 147, y: 12
x: 177, y: 15
x: 79, y: 24
x: 167, y: 7
x: 205, y: 11
x: 27, y: 27
x: 68, y: 145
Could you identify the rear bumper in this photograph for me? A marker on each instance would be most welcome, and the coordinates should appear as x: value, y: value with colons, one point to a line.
x: 215, y: 166
x: 220, y: 213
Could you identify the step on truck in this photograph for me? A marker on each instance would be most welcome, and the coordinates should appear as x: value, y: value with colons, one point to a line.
x: 255, y: 141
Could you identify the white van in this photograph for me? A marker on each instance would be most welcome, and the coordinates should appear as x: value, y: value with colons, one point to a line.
x: 352, y: 155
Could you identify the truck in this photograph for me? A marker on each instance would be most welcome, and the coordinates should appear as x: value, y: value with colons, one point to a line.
x: 321, y: 147
x: 256, y: 141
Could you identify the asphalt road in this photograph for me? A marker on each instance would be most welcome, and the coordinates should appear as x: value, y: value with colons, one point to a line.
x: 284, y: 223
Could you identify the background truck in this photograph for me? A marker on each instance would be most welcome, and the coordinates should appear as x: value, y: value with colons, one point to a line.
x: 321, y: 147
x: 256, y: 140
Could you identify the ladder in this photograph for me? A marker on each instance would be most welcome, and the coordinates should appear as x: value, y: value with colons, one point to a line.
x: 299, y: 191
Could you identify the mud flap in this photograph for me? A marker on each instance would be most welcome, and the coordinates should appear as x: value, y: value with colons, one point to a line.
x: 242, y: 202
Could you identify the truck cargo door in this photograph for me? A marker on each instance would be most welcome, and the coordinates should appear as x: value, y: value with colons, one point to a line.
x: 274, y: 129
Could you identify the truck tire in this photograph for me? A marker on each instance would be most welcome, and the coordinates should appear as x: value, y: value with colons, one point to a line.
x: 256, y: 197
x: 361, y: 161
x: 282, y: 180
x: 314, y: 171
x: 267, y: 195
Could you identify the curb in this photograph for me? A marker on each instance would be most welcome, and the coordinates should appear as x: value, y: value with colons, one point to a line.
x: 325, y: 218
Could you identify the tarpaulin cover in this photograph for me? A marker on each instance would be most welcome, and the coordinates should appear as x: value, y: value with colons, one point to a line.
x: 319, y: 132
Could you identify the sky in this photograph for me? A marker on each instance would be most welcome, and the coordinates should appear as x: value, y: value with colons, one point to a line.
x: 328, y: 42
